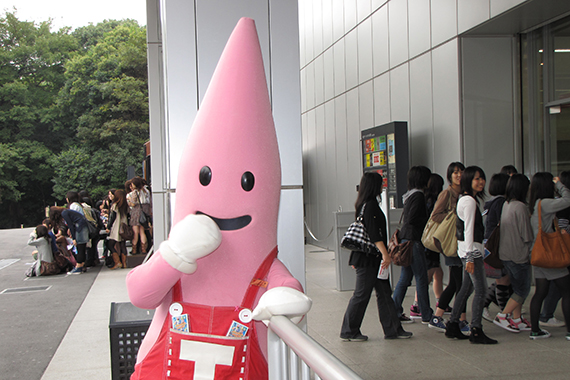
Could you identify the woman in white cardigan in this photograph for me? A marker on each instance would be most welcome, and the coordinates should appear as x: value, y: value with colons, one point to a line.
x: 40, y: 239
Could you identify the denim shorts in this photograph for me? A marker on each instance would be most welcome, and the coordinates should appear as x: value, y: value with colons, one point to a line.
x: 520, y: 275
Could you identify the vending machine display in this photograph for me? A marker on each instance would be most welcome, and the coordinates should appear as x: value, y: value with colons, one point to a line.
x: 385, y: 151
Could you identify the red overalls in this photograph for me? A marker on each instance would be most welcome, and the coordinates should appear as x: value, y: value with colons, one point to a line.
x: 208, y: 342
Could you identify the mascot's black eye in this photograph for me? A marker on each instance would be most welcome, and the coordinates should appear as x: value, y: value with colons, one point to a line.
x: 206, y: 176
x: 247, y: 181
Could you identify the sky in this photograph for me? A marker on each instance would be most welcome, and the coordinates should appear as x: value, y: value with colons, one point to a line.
x: 75, y: 13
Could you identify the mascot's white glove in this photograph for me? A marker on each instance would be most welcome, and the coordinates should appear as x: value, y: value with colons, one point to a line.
x: 282, y: 301
x: 192, y: 238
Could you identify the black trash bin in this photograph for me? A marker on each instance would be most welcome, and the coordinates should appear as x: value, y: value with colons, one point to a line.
x: 127, y: 327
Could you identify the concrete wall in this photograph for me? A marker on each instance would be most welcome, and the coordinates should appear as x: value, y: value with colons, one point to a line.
x: 369, y: 62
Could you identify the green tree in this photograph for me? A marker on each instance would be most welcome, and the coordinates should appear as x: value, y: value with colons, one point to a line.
x: 105, y: 100
x: 31, y: 74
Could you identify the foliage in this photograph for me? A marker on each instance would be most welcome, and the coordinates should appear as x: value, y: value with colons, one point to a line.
x: 73, y: 111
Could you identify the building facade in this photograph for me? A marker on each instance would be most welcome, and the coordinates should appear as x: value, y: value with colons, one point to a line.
x: 485, y: 82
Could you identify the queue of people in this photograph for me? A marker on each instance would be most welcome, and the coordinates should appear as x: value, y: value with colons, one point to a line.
x: 521, y: 207
x: 67, y: 242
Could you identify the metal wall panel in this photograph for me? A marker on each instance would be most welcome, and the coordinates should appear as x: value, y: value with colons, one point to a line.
x: 321, y: 173
x: 400, y: 93
x: 349, y: 15
x: 318, y: 64
x: 443, y: 20
x: 366, y: 105
x: 317, y: 27
x: 328, y: 59
x: 446, y: 104
x: 353, y: 137
x: 499, y: 6
x: 339, y: 68
x: 419, y: 26
x: 364, y: 32
x: 471, y: 13
x: 345, y: 187
x: 327, y: 12
x: 398, y: 25
x: 351, y: 59
x: 380, y: 50
x: 382, y: 99
x: 420, y: 128
x: 363, y: 9
x: 310, y: 94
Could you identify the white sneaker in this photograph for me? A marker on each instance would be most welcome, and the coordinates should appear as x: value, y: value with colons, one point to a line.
x: 506, y: 323
x: 487, y: 315
x: 552, y: 322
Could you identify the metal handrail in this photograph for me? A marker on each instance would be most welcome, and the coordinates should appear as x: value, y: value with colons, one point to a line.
x: 325, y: 365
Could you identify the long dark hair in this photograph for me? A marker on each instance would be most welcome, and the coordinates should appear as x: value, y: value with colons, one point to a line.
x: 371, y: 185
x: 517, y: 188
x: 541, y: 187
x: 120, y: 200
x: 467, y: 180
x: 55, y: 217
x: 434, y: 187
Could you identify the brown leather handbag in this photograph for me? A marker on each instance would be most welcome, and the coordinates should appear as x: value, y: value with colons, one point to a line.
x: 551, y: 250
x: 400, y: 253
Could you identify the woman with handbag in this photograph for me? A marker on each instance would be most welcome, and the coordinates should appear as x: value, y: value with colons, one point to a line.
x: 446, y: 204
x: 415, y: 218
x: 500, y: 290
x: 139, y: 202
x: 542, y: 201
x: 515, y: 242
x: 368, y: 267
x: 118, y: 217
x: 470, y: 231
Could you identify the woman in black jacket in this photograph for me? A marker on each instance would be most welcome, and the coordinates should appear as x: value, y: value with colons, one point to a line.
x: 368, y: 266
x: 415, y: 217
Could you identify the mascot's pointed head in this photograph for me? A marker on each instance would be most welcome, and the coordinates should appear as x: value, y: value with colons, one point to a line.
x: 230, y: 167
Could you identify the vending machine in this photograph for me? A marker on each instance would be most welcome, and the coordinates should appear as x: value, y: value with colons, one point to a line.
x: 385, y: 151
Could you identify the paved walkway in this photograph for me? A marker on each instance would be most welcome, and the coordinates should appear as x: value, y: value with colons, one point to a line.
x: 84, y: 353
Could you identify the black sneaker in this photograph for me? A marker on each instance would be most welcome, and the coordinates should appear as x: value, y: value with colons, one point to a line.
x: 357, y: 338
x: 405, y: 319
x: 539, y: 335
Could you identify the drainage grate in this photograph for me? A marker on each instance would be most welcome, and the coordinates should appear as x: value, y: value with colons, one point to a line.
x: 26, y: 290
x: 7, y: 262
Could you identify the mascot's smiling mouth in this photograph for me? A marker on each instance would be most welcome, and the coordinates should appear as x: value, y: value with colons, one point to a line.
x: 230, y: 224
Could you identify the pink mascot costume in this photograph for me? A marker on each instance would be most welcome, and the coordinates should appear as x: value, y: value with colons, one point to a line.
x: 217, y: 276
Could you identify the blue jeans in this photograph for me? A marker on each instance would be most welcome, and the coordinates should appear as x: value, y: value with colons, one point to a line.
x: 417, y: 270
x: 475, y: 280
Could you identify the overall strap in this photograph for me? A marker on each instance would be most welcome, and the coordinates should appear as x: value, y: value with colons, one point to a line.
x: 258, y: 281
